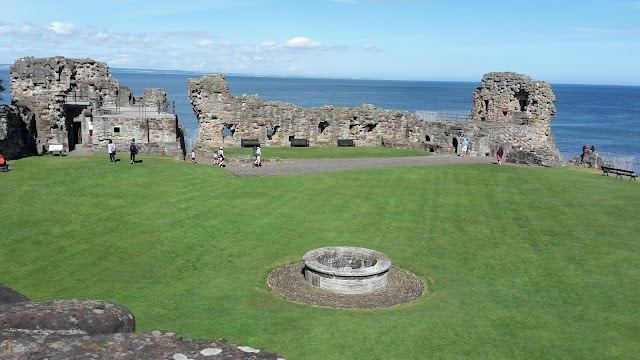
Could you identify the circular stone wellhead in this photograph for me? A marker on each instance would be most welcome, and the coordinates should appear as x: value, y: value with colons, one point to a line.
x: 346, y: 270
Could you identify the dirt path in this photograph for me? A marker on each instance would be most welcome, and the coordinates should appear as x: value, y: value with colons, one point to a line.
x: 242, y: 166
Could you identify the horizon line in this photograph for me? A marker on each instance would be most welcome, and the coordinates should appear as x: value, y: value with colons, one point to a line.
x: 200, y: 72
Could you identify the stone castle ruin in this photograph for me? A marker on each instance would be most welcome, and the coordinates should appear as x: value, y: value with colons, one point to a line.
x: 510, y: 110
x: 76, y: 102
x: 57, y: 101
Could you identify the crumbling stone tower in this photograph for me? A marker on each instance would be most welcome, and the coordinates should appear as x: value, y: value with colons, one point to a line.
x: 516, y: 112
x: 77, y: 101
x: 58, y: 90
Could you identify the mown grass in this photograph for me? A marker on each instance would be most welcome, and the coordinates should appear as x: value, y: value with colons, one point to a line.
x: 521, y: 262
x: 327, y: 152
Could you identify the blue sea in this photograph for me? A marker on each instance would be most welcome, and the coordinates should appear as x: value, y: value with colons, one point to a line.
x: 607, y: 116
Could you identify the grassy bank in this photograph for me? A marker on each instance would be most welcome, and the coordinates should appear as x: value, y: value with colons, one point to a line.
x: 521, y: 262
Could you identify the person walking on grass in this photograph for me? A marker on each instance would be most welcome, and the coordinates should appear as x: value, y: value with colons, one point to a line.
x: 193, y: 156
x: 133, y: 150
x: 111, y: 148
x: 257, y: 152
x: 499, y: 155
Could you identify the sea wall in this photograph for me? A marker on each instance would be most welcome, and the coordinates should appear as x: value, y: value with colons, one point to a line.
x: 510, y: 110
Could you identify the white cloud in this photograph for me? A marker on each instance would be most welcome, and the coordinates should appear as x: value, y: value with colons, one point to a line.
x: 204, y: 43
x: 61, y: 28
x: 302, y: 42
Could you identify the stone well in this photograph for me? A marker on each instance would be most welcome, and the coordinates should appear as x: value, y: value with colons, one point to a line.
x: 346, y: 270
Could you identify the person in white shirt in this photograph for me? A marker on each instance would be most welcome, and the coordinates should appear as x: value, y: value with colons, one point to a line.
x: 258, y: 155
x: 111, y: 148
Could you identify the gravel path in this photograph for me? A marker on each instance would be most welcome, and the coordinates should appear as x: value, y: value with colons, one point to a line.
x: 242, y: 166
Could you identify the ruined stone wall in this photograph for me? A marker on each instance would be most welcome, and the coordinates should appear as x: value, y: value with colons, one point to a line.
x: 156, y: 98
x: 17, y: 131
x: 510, y: 110
x: 67, y: 96
x: 225, y: 119
x: 158, y: 135
x: 45, y: 85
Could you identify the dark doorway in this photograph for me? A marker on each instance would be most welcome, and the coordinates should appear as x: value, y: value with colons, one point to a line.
x: 77, y: 134
x: 74, y: 127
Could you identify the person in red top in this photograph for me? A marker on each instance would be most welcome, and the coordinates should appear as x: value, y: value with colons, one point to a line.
x: 4, y: 166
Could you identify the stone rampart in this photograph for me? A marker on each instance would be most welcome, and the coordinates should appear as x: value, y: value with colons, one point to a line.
x: 510, y: 110
x: 225, y: 119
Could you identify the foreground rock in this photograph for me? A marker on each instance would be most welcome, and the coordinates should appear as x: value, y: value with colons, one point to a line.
x: 93, y: 329
x: 147, y: 345
x: 67, y: 316
x: 9, y: 296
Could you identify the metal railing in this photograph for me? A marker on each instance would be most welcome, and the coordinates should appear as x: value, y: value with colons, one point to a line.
x: 621, y: 162
x: 437, y: 116
x: 77, y: 96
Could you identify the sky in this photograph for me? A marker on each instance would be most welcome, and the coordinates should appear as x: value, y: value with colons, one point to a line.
x: 559, y: 41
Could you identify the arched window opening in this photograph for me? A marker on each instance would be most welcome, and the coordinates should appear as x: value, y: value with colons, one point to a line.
x: 369, y: 127
x: 228, y: 130
x: 322, y: 126
x: 523, y: 99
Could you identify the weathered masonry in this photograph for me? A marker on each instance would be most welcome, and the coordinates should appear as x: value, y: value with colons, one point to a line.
x: 77, y: 102
x: 510, y: 110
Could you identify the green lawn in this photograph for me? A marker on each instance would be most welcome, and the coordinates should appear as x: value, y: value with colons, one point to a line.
x: 327, y: 152
x: 521, y: 262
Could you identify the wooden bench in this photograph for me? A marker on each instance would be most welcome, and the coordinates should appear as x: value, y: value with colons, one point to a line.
x: 56, y: 148
x: 606, y: 170
x: 299, y: 142
x: 249, y: 142
x: 346, y: 142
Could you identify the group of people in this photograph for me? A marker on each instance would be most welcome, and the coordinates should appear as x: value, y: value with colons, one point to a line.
x: 133, y: 151
x: 218, y: 157
x: 465, y: 150
x: 586, y: 147
x: 218, y: 154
